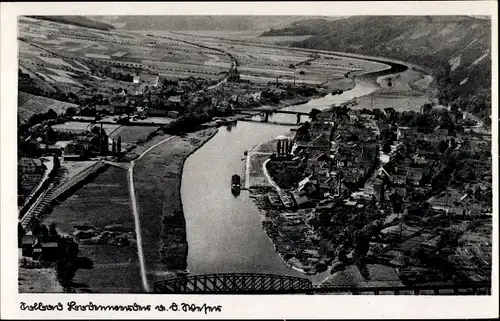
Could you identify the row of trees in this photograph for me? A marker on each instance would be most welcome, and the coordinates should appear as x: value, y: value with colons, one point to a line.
x: 28, y: 148
x: 427, y: 121
x: 272, y: 97
x: 108, y: 72
x: 39, y: 118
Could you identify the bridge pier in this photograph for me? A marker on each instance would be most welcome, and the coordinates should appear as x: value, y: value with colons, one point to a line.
x: 266, y: 117
x: 298, y: 118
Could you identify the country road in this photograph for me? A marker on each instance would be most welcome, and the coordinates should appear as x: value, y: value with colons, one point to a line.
x: 130, y: 179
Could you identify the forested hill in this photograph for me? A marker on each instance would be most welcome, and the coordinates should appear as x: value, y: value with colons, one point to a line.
x: 77, y: 21
x: 301, y: 28
x: 455, y: 48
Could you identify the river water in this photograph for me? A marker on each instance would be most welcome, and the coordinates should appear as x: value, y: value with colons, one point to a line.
x: 224, y: 232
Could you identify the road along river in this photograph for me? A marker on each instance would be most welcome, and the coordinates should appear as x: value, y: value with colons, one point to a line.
x: 224, y: 232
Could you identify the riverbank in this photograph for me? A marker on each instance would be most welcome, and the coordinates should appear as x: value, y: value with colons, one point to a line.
x: 158, y: 178
x: 288, y: 230
x: 403, y: 91
x: 344, y: 84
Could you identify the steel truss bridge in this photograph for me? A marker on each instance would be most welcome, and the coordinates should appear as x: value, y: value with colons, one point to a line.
x: 233, y: 283
x: 254, y: 283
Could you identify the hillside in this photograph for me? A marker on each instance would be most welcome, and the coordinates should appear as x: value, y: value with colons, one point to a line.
x: 29, y: 105
x: 456, y: 49
x: 212, y: 23
x: 300, y: 28
x: 77, y: 21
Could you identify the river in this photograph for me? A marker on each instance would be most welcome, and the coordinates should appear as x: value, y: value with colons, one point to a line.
x: 224, y: 232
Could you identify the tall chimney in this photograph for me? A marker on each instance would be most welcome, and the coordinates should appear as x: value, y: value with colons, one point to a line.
x: 100, y: 141
x: 339, y: 178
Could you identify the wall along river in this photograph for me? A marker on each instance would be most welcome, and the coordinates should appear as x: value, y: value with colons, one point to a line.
x: 224, y: 232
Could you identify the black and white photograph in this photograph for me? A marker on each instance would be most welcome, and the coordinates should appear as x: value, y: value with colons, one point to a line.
x: 331, y: 154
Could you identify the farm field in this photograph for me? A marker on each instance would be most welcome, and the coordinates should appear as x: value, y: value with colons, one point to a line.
x: 249, y: 36
x: 131, y: 134
x: 58, y: 57
x: 90, y: 205
x: 29, y: 105
x: 264, y: 63
x: 102, y: 205
x: 82, y: 126
x: 72, y: 126
x: 116, y: 270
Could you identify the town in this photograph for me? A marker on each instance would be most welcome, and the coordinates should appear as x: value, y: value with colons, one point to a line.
x: 369, y: 187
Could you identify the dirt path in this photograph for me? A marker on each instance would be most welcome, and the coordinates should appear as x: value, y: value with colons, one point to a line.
x: 135, y: 211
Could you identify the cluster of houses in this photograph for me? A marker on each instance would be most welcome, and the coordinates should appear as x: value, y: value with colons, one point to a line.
x: 340, y: 151
x: 170, y: 101
x: 338, y: 154
x: 405, y: 176
x: 34, y: 248
x: 82, y: 144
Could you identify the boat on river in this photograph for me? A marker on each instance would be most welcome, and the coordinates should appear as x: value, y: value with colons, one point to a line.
x: 235, y: 184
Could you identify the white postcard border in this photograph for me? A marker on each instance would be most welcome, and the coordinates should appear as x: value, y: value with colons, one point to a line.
x: 236, y: 306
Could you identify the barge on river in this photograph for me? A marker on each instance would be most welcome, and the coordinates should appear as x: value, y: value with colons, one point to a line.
x: 235, y: 184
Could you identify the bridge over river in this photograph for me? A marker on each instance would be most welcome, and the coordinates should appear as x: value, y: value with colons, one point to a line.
x: 267, y: 112
x: 255, y: 283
